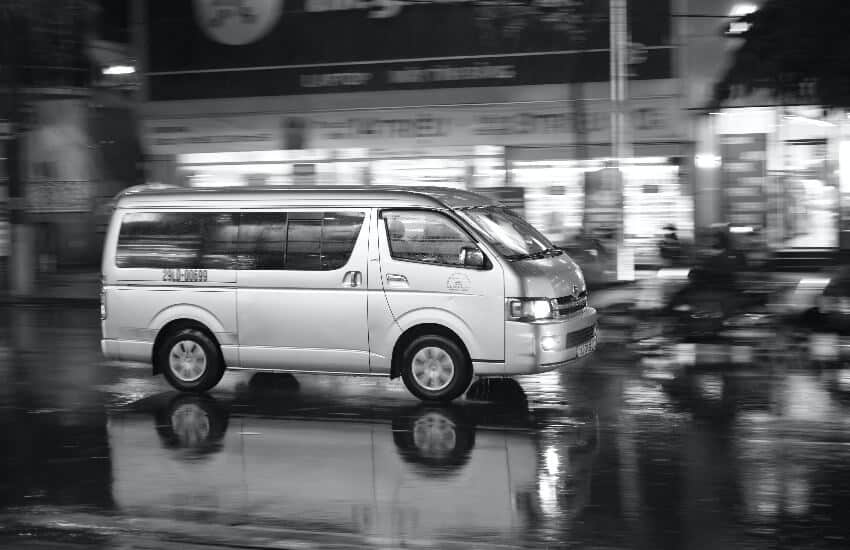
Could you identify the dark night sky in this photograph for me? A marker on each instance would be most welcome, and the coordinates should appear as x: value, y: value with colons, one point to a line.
x: 114, y: 20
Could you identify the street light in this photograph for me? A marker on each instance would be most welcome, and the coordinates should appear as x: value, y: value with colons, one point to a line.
x: 741, y: 10
x: 738, y: 12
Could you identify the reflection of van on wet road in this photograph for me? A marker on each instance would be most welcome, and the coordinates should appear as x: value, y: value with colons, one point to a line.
x: 433, y: 285
x: 400, y: 472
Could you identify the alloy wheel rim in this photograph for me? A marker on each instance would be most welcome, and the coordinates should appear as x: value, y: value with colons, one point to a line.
x: 433, y: 368
x: 188, y: 360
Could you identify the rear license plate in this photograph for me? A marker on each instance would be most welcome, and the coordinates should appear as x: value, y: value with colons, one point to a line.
x: 587, y: 347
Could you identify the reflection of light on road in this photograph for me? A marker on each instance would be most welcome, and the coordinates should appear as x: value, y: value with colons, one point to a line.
x: 711, y: 387
x: 805, y: 399
x: 547, y: 491
x: 552, y: 461
x: 641, y: 397
x: 549, y: 382
x: 843, y: 379
x: 797, y: 491
x: 547, y: 483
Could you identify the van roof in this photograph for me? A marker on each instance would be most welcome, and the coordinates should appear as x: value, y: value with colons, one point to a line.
x: 439, y: 197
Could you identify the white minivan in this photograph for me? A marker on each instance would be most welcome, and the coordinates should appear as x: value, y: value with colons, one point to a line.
x: 433, y: 285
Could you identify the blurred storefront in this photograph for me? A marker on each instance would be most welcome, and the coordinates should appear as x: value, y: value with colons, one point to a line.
x: 504, y: 97
x: 488, y: 148
x: 775, y: 174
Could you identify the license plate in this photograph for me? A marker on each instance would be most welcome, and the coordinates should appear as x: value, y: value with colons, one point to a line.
x: 587, y: 347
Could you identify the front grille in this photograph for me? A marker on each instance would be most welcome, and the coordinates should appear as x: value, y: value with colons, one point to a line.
x: 580, y: 336
x: 567, y: 305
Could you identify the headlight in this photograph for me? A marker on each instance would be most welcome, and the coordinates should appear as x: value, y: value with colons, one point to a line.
x: 528, y: 309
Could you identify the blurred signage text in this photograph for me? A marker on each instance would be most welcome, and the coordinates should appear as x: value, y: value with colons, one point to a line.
x: 652, y: 120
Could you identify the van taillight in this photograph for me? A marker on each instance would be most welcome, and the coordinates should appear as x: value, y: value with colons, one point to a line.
x: 102, y: 305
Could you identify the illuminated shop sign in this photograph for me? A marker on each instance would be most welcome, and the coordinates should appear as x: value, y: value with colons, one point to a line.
x: 241, y: 48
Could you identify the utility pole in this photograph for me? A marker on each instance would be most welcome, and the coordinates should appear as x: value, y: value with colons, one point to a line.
x: 620, y: 145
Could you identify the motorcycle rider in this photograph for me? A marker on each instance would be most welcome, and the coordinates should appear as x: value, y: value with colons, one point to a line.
x: 670, y: 246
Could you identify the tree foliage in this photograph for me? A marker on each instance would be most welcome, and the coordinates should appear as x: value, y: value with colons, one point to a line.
x: 796, y: 50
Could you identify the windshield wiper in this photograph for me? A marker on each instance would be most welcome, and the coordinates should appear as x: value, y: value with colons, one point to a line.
x: 545, y: 253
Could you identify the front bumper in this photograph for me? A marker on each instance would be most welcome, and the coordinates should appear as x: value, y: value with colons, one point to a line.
x: 542, y: 346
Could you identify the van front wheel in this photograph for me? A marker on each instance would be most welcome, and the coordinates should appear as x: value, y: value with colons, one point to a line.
x: 190, y: 360
x: 434, y: 368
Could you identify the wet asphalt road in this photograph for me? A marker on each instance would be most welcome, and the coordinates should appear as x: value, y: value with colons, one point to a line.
x: 743, y: 442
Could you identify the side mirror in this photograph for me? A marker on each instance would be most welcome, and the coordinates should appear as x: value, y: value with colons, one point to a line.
x: 471, y: 256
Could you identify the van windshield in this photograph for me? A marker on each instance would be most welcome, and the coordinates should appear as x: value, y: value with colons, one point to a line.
x: 512, y: 236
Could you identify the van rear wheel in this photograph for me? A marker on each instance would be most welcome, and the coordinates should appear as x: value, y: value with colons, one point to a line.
x: 190, y: 360
x: 435, y: 368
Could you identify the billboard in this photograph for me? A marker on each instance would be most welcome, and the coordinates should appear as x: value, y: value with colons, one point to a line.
x: 239, y: 48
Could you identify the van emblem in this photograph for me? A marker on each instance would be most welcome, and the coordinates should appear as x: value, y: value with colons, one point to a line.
x: 459, y: 282
x: 575, y: 291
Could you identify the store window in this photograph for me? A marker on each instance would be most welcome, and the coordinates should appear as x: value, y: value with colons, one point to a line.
x: 554, y: 197
x: 809, y: 197
x: 654, y: 196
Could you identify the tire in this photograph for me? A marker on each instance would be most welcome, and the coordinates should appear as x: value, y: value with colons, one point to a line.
x: 190, y: 360
x: 435, y: 368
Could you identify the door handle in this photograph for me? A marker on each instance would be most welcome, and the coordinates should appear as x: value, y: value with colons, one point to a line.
x: 352, y: 279
x: 392, y: 278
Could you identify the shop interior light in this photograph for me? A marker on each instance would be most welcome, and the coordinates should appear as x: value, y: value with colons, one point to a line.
x: 807, y: 120
x: 844, y: 166
x: 707, y: 161
x: 646, y: 160
x: 741, y: 229
x: 738, y: 11
x: 738, y: 27
x: 113, y: 70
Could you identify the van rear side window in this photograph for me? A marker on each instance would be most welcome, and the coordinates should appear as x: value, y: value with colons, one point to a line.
x: 304, y: 241
x: 188, y: 240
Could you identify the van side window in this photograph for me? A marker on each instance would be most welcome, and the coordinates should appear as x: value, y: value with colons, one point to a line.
x: 262, y: 240
x: 180, y: 240
x: 339, y: 235
x: 424, y: 236
x: 303, y: 241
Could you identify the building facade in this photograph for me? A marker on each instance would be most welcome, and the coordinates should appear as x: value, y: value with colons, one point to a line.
x: 508, y: 98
